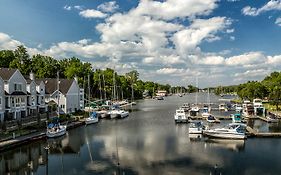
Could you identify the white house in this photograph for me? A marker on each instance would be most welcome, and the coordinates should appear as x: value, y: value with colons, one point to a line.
x: 2, y: 100
x: 15, y: 93
x: 68, y: 95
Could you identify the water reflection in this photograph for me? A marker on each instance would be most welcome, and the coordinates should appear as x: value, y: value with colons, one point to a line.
x: 148, y: 142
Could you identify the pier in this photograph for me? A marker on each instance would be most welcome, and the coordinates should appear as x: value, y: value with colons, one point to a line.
x: 253, y: 133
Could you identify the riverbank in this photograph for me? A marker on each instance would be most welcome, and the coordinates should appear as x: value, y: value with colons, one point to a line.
x: 36, y: 135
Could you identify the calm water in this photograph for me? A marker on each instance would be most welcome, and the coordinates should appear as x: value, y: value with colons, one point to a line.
x: 148, y: 142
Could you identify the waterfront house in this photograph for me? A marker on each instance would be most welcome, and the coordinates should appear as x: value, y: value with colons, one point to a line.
x: 161, y: 93
x: 15, y: 94
x: 35, y: 95
x: 2, y: 100
x: 69, y: 95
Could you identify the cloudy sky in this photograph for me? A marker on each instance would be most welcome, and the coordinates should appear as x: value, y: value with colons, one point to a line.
x: 221, y: 42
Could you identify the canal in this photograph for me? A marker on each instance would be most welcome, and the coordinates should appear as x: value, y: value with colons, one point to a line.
x: 147, y: 142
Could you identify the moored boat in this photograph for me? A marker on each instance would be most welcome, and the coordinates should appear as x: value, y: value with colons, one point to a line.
x: 233, y: 131
x: 212, y: 119
x: 236, y: 118
x: 180, y: 116
x: 196, y: 127
x: 55, y: 130
x: 93, y: 118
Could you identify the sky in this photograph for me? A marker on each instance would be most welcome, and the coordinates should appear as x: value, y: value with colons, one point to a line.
x: 221, y: 42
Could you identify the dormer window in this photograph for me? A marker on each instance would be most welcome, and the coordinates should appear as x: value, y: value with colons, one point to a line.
x: 17, y: 87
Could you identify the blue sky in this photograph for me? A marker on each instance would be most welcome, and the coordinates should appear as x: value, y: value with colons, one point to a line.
x: 173, y: 41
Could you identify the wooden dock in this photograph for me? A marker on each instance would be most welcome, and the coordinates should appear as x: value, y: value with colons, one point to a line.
x: 253, y: 133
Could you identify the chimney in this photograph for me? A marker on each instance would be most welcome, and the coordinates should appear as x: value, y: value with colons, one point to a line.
x: 32, y: 76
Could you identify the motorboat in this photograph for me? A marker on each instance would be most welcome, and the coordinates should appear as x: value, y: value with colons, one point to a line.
x: 232, y: 131
x: 185, y: 107
x: 236, y: 118
x: 206, y: 111
x: 259, y: 109
x: 223, y: 107
x: 93, y: 118
x: 248, y: 108
x: 238, y: 108
x: 196, y: 127
x: 123, y: 113
x: 212, y: 119
x: 194, y: 110
x: 271, y: 118
x: 180, y: 116
x: 55, y: 130
x: 159, y: 97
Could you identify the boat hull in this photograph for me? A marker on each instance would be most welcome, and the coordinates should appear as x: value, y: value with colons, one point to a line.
x: 91, y: 121
x: 52, y: 133
x: 225, y: 135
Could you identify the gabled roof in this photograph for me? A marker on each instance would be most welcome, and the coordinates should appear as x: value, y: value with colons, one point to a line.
x: 51, y: 85
x: 7, y: 73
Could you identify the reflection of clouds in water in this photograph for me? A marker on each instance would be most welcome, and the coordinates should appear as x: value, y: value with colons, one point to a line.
x: 155, y: 149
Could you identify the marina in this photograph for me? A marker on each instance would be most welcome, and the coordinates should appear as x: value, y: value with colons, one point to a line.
x: 93, y: 149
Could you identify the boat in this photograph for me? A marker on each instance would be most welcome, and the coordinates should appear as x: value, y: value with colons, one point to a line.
x: 206, y: 111
x: 93, y: 118
x: 123, y: 113
x: 222, y: 107
x: 196, y: 127
x: 238, y: 108
x: 194, y: 108
x: 233, y: 131
x: 271, y: 118
x: 159, y: 98
x: 236, y: 118
x: 185, y: 107
x: 248, y: 108
x: 180, y: 116
x: 55, y: 130
x: 259, y: 109
x: 212, y: 119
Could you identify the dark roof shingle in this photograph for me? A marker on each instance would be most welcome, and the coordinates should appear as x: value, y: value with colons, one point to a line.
x: 7, y: 73
x: 51, y: 85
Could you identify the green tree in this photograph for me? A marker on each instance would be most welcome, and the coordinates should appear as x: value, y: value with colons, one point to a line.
x: 6, y: 57
x: 22, y: 60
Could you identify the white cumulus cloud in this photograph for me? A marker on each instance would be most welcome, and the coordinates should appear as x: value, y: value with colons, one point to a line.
x: 270, y: 5
x: 110, y: 6
x: 92, y: 13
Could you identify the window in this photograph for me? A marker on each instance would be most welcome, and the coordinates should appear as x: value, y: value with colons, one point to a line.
x: 17, y: 87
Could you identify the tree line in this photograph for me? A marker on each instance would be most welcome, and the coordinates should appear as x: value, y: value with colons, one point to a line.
x: 269, y: 88
x: 101, y: 81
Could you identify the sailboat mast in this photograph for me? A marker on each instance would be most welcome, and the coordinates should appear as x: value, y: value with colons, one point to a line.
x: 114, y: 86
x: 100, y: 87
x: 104, y: 86
x: 58, y: 89
x: 89, y: 89
x: 196, y: 97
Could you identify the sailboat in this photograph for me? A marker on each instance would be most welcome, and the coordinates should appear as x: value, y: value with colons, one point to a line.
x: 55, y: 129
x: 195, y: 109
x: 93, y: 117
x: 207, y: 107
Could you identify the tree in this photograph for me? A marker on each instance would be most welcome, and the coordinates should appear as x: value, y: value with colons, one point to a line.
x: 275, y: 97
x: 22, y: 60
x: 6, y: 57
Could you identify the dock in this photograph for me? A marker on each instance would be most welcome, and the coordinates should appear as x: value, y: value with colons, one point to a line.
x: 253, y: 133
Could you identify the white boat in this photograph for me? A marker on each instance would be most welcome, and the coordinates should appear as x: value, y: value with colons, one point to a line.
x: 196, y: 128
x: 185, y: 107
x: 248, y: 108
x: 259, y: 109
x: 238, y: 108
x: 236, y: 118
x: 271, y: 118
x: 194, y: 110
x: 206, y: 111
x: 222, y: 107
x: 212, y: 119
x: 93, y: 118
x: 55, y: 130
x: 180, y: 116
x: 233, y: 131
x: 123, y: 113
